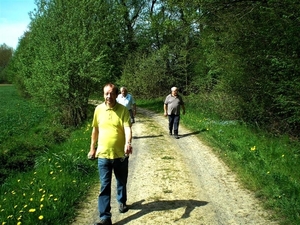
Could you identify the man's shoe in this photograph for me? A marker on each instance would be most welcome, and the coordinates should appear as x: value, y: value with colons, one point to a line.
x: 104, y: 222
x: 123, y: 208
x: 170, y: 133
x: 176, y: 136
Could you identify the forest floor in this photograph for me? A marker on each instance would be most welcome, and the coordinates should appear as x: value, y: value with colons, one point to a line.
x: 176, y: 181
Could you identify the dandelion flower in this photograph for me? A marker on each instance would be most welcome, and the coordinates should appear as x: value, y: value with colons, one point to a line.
x: 282, y: 156
x: 253, y: 148
x: 42, y: 199
x: 41, y: 217
x: 19, y: 223
x: 19, y: 180
x: 55, y: 199
x: 10, y: 216
x: 31, y: 199
x: 31, y: 210
x: 51, y: 172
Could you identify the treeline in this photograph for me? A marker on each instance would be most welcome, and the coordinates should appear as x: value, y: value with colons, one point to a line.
x: 236, y: 49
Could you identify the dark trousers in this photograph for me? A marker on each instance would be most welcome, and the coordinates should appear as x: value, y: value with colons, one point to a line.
x: 174, y: 123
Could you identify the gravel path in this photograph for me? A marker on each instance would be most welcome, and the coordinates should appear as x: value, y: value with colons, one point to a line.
x: 176, y: 182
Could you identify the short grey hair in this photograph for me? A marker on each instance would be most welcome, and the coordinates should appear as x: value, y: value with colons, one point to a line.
x: 174, y: 88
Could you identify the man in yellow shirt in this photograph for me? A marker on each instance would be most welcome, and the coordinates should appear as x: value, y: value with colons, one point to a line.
x: 112, y: 135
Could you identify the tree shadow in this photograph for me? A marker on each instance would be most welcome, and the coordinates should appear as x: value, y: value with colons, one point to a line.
x: 165, y: 205
x: 192, y: 133
x: 148, y: 136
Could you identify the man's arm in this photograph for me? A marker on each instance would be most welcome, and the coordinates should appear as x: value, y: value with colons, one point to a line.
x: 165, y: 109
x: 134, y: 108
x: 128, y: 138
x: 94, y: 139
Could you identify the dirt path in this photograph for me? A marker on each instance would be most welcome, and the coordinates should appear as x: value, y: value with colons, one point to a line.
x: 176, y: 182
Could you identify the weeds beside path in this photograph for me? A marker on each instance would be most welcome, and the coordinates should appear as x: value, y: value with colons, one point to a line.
x: 176, y: 182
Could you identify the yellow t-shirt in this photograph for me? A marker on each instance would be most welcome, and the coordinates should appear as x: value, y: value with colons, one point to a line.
x: 111, y: 123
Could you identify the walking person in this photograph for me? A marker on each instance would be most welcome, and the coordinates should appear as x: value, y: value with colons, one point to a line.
x: 112, y: 135
x: 172, y: 105
x: 127, y: 100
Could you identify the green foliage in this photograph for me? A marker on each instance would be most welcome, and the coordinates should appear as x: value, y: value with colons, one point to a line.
x: 46, y: 194
x: 5, y: 56
x: 246, y: 50
x: 39, y: 168
x: 25, y: 132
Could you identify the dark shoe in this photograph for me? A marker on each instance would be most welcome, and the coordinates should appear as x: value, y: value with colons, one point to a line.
x: 176, y: 136
x: 170, y: 133
x: 123, y: 208
x: 104, y: 222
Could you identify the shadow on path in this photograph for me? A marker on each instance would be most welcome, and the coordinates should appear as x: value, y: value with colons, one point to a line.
x: 149, y: 136
x: 166, y: 205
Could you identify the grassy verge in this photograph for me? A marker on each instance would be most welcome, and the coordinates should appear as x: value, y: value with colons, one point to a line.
x: 266, y: 164
x: 47, y: 168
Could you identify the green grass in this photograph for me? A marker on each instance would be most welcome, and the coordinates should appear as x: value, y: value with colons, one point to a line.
x: 268, y: 165
x: 44, y: 170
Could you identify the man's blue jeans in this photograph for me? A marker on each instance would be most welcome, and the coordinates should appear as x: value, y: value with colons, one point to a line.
x: 106, y: 168
x: 174, y: 123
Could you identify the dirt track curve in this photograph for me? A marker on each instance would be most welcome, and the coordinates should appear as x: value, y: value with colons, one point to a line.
x: 176, y: 182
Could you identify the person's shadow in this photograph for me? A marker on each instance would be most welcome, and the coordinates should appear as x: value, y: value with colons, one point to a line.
x: 165, y: 205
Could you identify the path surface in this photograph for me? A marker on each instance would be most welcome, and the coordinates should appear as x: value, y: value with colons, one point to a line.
x: 176, y: 182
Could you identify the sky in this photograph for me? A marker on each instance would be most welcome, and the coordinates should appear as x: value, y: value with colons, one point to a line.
x: 14, y: 20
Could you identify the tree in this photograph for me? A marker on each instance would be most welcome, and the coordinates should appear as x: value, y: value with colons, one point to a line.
x: 5, y: 56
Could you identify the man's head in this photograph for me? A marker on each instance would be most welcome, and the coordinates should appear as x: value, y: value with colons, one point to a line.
x: 174, y: 91
x: 110, y: 92
x: 124, y: 91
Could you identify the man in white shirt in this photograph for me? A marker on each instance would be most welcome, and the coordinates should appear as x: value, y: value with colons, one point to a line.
x: 127, y: 100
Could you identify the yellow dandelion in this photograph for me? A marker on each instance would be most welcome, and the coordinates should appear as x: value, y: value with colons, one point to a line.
x: 253, y: 148
x: 268, y: 172
x: 13, y: 192
x: 31, y: 210
x: 41, y: 217
x: 15, y: 206
x: 2, y: 210
x: 25, y: 206
x: 34, y: 172
x: 10, y: 216
x: 19, y: 223
x: 51, y: 172
x: 20, y: 217
x: 24, y: 194
x: 51, y: 195
x: 31, y: 199
x: 42, y: 199
x: 282, y: 156
x: 41, y: 189
x: 55, y: 199
x: 19, y: 180
x: 3, y: 223
x: 74, y: 181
